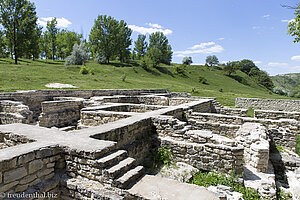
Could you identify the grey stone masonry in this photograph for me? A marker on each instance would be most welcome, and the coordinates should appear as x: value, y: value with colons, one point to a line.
x: 14, y: 112
x: 269, y: 104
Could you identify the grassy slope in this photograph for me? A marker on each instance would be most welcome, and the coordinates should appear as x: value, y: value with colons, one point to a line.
x: 287, y: 81
x: 29, y: 75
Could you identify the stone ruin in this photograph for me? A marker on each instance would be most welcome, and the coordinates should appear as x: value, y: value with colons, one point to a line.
x: 98, y: 144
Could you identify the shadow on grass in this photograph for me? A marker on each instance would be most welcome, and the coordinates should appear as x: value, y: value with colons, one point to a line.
x: 148, y: 69
x: 239, y: 79
x: 164, y: 70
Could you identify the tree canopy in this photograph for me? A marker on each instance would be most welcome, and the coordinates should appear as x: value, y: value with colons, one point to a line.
x: 160, y: 41
x: 141, y: 46
x: 294, y: 25
x: 18, y: 17
x: 110, y: 38
x: 212, y: 60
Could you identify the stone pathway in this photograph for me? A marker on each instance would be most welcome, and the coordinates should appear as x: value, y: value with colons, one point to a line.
x: 158, y: 188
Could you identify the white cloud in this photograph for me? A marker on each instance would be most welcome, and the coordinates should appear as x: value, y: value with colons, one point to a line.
x: 257, y: 62
x: 203, y: 48
x: 277, y: 64
x: 180, y: 55
x: 295, y: 58
x: 287, y: 20
x: 154, y: 25
x: 197, y: 64
x: 255, y: 27
x: 267, y: 16
x: 152, y: 29
x: 224, y: 62
x: 61, y: 22
x: 202, y: 45
x: 221, y: 38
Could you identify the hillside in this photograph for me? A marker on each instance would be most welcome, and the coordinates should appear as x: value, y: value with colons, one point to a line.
x: 33, y: 75
x: 287, y: 81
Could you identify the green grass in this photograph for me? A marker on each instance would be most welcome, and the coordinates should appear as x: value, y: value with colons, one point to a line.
x: 207, y: 179
x: 250, y: 112
x: 34, y: 75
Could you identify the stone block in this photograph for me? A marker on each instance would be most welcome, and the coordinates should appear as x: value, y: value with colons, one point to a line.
x: 35, y: 166
x: 25, y: 158
x: 45, y: 152
x: 8, y: 164
x: 44, y: 172
x: 28, y: 179
x: 0, y: 177
x: 14, y: 174
x: 8, y: 186
x: 21, y: 188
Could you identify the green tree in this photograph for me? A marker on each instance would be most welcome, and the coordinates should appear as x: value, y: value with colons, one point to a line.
x: 230, y: 68
x: 65, y: 42
x: 123, y: 41
x: 18, y: 17
x: 294, y: 25
x: 261, y: 78
x: 187, y: 60
x: 159, y: 40
x: 2, y: 45
x: 246, y: 66
x: 140, y: 46
x: 154, y: 54
x: 212, y: 60
x: 103, y: 37
x: 44, y: 45
x: 34, y: 47
x: 51, y: 33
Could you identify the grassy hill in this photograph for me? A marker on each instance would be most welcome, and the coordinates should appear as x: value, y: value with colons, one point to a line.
x: 33, y: 75
x: 287, y: 81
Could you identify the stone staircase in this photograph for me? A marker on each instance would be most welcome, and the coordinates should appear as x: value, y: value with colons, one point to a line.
x: 120, y: 170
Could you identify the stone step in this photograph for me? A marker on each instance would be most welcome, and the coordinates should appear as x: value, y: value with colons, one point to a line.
x: 119, y: 168
x: 111, y: 159
x: 129, y: 177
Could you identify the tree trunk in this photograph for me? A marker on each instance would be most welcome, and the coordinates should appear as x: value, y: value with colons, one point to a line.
x: 15, y: 51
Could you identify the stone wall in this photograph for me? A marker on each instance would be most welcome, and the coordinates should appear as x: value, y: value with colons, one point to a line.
x: 96, y: 118
x: 201, y: 149
x: 60, y: 113
x: 14, y: 112
x: 233, y: 111
x: 253, y: 137
x: 283, y: 131
x: 136, y: 137
x: 269, y: 104
x: 269, y: 114
x: 30, y: 170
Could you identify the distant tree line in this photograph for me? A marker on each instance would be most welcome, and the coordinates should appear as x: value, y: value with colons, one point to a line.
x: 109, y: 39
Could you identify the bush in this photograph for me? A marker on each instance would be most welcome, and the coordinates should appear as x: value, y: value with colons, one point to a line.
x: 100, y: 59
x: 163, y: 156
x: 84, y: 70
x: 250, y: 112
x: 202, y: 80
x: 79, y: 55
x: 180, y: 69
x: 298, y: 144
x: 279, y: 91
x: 145, y: 62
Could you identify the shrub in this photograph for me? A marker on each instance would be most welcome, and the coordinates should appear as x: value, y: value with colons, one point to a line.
x: 145, y: 62
x: 100, y: 58
x: 163, y: 156
x: 84, y: 70
x: 79, y: 55
x: 221, y: 90
x: 124, y: 77
x: 279, y: 91
x: 180, y: 69
x: 202, y: 80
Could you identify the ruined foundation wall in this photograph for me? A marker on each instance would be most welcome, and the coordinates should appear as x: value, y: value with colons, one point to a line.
x: 201, y: 149
x: 60, y: 113
x: 14, y: 112
x: 268, y: 114
x: 283, y: 131
x: 269, y: 104
x: 30, y: 171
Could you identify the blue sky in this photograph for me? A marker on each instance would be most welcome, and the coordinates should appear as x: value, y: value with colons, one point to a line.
x: 231, y: 30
